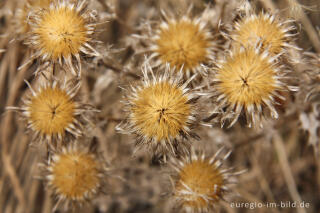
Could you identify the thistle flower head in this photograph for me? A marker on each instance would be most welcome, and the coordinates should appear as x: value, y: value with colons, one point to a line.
x: 248, y: 82
x: 199, y: 182
x: 52, y: 111
x: 184, y: 43
x: 273, y: 34
x: 74, y: 174
x: 160, y: 111
x: 62, y: 31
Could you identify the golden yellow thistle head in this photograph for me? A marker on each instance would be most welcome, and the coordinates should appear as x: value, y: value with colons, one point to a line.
x: 52, y: 112
x: 265, y: 28
x: 248, y: 81
x: 62, y: 31
x: 200, y: 182
x: 184, y: 44
x: 74, y: 175
x: 160, y: 111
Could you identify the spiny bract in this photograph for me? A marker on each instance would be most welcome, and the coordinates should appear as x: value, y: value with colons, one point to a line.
x: 22, y: 15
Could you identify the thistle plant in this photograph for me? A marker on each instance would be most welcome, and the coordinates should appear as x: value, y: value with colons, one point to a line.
x: 161, y: 112
x: 187, y: 80
x: 248, y: 81
x: 275, y: 35
x: 185, y: 43
x: 200, y: 182
x: 74, y: 174
x: 63, y: 32
x: 53, y: 112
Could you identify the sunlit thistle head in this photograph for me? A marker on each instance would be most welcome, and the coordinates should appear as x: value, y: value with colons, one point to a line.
x: 52, y: 112
x: 161, y: 111
x: 62, y: 31
x: 265, y: 28
x: 248, y: 81
x: 199, y: 183
x: 74, y: 175
x: 184, y: 43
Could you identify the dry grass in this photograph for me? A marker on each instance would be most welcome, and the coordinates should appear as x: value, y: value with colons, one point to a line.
x: 281, y: 165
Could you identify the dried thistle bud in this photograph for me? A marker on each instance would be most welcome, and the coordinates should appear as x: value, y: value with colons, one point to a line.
x: 74, y: 175
x: 53, y: 113
x: 61, y: 32
x: 248, y: 81
x: 199, y: 183
x: 273, y: 34
x: 184, y: 43
x: 161, y: 112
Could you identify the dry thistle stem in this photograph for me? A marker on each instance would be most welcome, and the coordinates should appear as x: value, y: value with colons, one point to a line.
x: 184, y: 43
x: 52, y: 111
x: 161, y: 111
x: 248, y: 81
x: 61, y: 32
x: 199, y: 183
x: 75, y: 175
x: 265, y: 28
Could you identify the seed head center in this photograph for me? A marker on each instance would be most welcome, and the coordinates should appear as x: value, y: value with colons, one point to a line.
x: 203, y: 179
x: 247, y: 79
x: 75, y: 174
x: 51, y: 111
x: 161, y: 111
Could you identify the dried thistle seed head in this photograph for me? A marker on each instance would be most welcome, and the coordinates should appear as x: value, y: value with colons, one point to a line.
x: 199, y: 183
x: 52, y: 111
x: 62, y: 31
x: 248, y: 81
x: 265, y: 28
x: 185, y: 43
x: 74, y: 174
x: 160, y: 111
